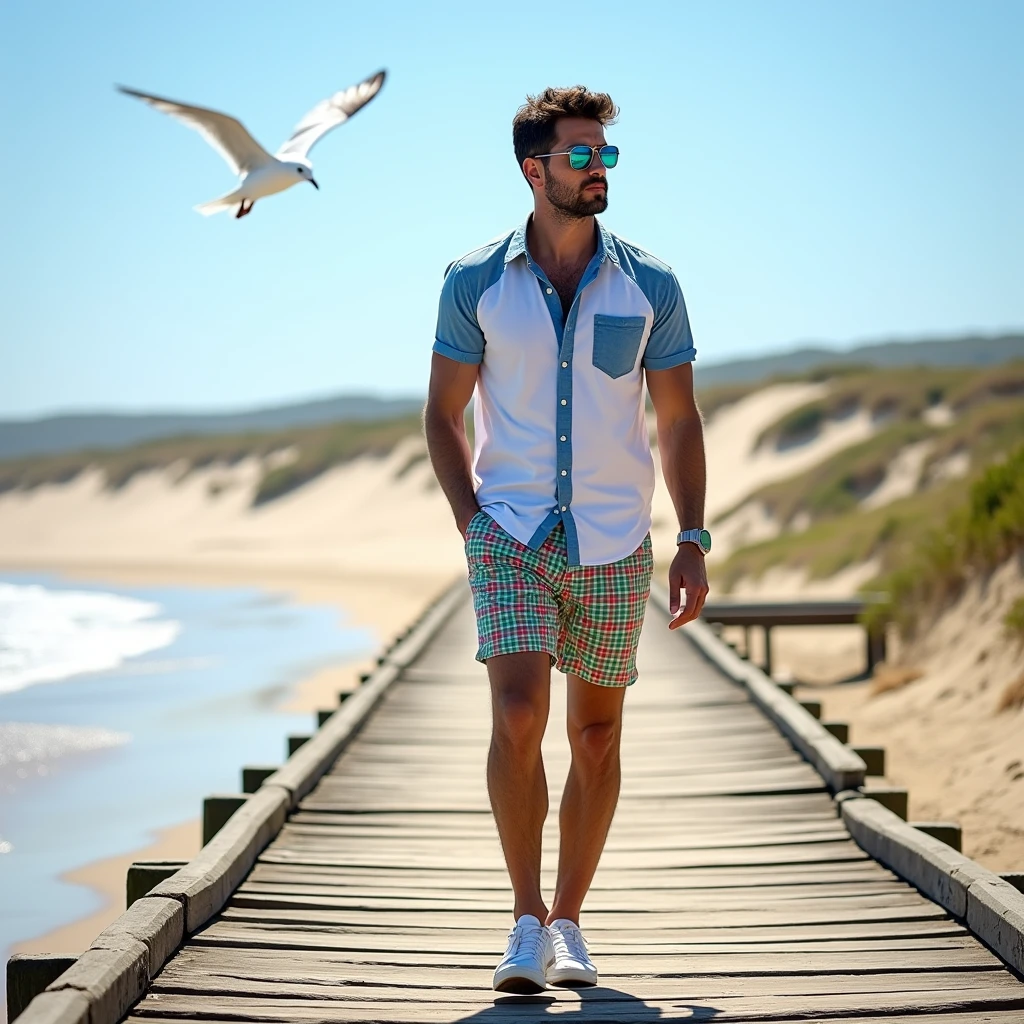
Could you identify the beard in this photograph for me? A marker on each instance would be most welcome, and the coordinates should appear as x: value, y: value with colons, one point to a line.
x: 571, y: 202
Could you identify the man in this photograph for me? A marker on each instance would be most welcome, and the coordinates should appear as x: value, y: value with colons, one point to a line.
x: 557, y: 326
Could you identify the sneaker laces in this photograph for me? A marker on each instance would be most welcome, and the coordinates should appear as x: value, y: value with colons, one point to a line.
x: 528, y: 939
x: 569, y: 941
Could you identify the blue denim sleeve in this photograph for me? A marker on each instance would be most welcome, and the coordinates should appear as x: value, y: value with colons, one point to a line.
x: 670, y: 343
x: 458, y: 335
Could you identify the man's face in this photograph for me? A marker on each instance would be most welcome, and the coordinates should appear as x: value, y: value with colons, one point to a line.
x: 576, y: 193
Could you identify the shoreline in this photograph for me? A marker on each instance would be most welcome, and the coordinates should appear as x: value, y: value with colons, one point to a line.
x: 384, y: 603
x: 107, y: 878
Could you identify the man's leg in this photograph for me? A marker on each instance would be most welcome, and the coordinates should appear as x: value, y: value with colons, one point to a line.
x: 594, y: 723
x: 520, y: 698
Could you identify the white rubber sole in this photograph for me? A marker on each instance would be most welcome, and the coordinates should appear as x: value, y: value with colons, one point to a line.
x: 519, y: 980
x: 571, y: 977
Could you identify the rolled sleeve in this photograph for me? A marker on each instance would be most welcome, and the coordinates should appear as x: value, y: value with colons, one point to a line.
x: 671, y: 341
x: 458, y: 335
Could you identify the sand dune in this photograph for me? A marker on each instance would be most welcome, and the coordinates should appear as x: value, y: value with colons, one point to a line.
x: 960, y: 757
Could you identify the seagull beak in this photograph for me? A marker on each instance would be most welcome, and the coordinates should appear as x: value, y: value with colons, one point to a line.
x: 314, y: 184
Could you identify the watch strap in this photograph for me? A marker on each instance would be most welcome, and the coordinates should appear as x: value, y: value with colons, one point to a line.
x: 695, y: 537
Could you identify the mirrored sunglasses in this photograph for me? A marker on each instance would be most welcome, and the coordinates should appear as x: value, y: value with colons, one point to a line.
x: 581, y: 157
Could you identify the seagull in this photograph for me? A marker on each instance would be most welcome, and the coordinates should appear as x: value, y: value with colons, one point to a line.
x: 262, y: 174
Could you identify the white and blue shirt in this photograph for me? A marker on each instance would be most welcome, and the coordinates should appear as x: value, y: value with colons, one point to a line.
x: 559, y: 417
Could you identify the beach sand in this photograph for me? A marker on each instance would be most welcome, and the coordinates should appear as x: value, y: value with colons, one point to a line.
x: 959, y: 756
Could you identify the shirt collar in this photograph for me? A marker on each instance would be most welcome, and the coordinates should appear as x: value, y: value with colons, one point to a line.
x: 605, y: 244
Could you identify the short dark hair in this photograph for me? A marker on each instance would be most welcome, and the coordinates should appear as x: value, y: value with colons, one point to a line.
x: 533, y: 127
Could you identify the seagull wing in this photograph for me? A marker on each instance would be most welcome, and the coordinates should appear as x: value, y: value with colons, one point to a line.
x: 227, y: 135
x: 328, y: 114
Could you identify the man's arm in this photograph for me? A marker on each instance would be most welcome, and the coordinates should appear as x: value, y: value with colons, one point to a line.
x: 681, y: 444
x: 451, y: 388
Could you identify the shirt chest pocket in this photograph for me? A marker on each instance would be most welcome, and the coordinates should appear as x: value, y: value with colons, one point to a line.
x: 616, y: 342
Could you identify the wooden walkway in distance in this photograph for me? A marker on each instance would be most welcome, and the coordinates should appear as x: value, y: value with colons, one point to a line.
x: 729, y: 889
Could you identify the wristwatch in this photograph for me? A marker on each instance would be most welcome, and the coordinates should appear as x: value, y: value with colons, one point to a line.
x: 699, y: 537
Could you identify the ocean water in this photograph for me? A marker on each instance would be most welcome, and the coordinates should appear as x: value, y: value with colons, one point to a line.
x: 121, y: 709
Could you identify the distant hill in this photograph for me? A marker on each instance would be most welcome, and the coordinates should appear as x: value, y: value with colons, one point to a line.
x: 967, y: 351
x: 73, y: 432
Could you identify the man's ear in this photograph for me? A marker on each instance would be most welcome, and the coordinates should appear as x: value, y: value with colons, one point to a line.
x: 533, y: 172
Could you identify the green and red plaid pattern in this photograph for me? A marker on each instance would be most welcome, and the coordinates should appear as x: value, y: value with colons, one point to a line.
x: 586, y: 617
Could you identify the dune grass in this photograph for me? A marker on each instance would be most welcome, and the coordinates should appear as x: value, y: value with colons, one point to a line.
x: 318, y: 448
x: 1014, y: 620
x: 896, y: 394
x: 965, y: 543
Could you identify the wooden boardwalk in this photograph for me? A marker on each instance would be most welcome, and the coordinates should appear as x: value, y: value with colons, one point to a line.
x: 729, y: 889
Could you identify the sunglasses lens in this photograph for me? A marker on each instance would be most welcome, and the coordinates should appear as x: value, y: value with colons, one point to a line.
x: 580, y: 157
x: 609, y: 155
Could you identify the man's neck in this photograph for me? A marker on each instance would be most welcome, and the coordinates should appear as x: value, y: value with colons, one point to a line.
x: 557, y: 240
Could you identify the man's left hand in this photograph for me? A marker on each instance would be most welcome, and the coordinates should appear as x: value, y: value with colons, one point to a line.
x: 688, y: 573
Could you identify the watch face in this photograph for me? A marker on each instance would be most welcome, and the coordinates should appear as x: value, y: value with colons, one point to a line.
x: 705, y: 540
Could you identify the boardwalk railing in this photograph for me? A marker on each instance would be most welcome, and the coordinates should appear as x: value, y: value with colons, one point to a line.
x: 769, y: 614
x: 103, y: 985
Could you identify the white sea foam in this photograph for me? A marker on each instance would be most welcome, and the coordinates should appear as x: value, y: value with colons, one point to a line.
x: 46, y: 635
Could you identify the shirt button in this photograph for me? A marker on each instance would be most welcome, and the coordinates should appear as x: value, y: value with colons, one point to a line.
x: 564, y: 507
x: 562, y: 438
x: 548, y: 290
x: 564, y: 472
x: 563, y: 401
x: 564, y: 365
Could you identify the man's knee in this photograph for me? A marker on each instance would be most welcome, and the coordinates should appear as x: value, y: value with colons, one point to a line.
x: 596, y: 744
x: 519, y: 718
x: 520, y: 686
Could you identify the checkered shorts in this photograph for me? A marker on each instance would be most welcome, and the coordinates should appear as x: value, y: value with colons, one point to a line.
x: 586, y: 617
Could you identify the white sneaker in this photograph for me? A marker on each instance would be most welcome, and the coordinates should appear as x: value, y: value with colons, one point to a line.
x: 572, y: 965
x: 522, y: 968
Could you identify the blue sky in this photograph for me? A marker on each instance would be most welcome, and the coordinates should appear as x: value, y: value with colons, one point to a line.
x: 813, y: 172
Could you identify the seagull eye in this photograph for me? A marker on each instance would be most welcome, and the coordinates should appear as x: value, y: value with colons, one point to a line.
x: 299, y: 169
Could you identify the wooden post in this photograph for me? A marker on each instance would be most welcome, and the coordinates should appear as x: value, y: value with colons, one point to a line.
x: 254, y: 775
x: 812, y: 707
x: 786, y: 687
x: 895, y: 798
x: 875, y: 646
x: 28, y: 974
x: 343, y: 695
x: 216, y: 811
x: 873, y: 757
x: 143, y: 875
x: 947, y: 832
x: 322, y: 715
x: 746, y: 643
x: 768, y: 651
x: 294, y: 742
x: 841, y: 730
